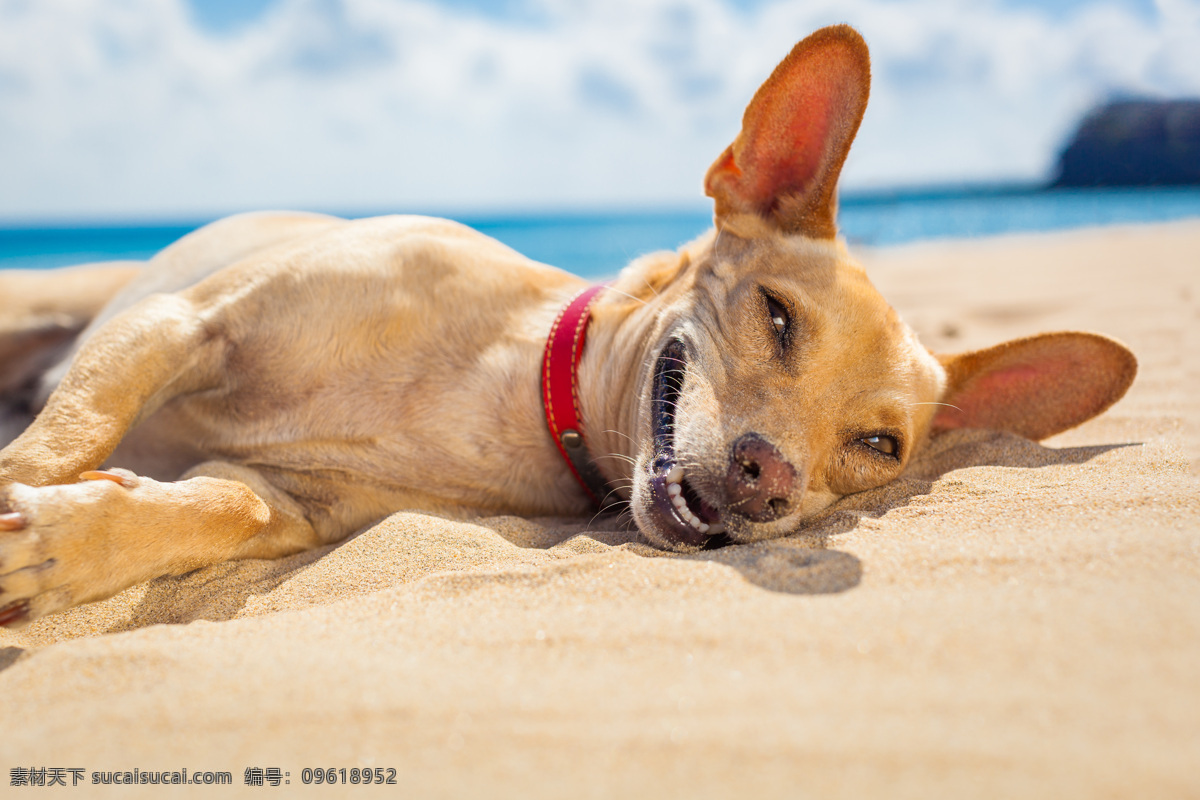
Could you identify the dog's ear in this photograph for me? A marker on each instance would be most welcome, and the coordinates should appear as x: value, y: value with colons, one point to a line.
x: 1035, y: 387
x: 784, y: 165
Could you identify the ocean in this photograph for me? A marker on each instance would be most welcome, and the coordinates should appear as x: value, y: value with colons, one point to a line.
x: 597, y: 245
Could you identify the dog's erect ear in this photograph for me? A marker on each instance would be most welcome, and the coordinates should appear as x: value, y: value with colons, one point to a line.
x: 784, y: 165
x: 1035, y: 387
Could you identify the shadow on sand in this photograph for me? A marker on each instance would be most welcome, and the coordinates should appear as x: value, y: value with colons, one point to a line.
x: 801, y: 564
x: 805, y: 564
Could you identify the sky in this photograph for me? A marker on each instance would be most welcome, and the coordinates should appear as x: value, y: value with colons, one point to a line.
x: 185, y: 109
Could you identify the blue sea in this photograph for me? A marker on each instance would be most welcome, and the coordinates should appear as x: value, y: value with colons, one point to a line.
x: 597, y: 245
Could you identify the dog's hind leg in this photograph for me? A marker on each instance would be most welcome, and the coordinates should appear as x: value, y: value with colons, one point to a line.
x: 70, y: 534
x: 71, y: 544
x: 156, y: 350
x: 41, y: 313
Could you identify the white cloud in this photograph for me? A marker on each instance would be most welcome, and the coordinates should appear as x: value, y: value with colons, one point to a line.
x: 127, y: 107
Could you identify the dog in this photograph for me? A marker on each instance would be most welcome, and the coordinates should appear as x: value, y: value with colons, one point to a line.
x: 274, y: 382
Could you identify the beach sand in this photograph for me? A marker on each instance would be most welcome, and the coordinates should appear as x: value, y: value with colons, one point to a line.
x: 1010, y: 619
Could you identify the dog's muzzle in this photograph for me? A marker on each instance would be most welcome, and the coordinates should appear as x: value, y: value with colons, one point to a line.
x: 682, y: 515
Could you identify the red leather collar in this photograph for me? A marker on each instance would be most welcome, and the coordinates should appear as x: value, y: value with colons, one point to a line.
x: 560, y: 393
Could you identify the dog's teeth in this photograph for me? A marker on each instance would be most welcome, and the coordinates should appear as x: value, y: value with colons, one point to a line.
x: 674, y: 480
x: 716, y: 528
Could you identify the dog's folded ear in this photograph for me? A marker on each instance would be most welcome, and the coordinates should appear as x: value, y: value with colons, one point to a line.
x: 796, y: 132
x: 1035, y: 387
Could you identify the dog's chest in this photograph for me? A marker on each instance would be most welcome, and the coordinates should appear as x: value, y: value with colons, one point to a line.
x: 452, y: 413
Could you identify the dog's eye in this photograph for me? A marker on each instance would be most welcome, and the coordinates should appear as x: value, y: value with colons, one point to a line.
x: 779, y: 317
x: 884, y: 444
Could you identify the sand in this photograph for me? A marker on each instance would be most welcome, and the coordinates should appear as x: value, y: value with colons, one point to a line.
x: 1010, y: 619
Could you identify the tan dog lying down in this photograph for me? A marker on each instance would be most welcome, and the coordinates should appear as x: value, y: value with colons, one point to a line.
x: 274, y: 382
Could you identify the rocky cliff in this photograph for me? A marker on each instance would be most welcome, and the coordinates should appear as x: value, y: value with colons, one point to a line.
x: 1135, y: 143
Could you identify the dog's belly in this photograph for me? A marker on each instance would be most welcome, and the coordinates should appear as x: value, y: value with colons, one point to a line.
x: 348, y: 473
x: 401, y: 372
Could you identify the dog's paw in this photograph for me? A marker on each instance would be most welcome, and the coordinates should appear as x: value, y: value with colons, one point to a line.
x: 54, y: 546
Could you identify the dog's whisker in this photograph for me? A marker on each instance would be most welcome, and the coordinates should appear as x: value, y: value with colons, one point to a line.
x: 619, y: 457
x: 947, y: 405
x: 590, y: 522
x: 618, y: 433
x: 611, y: 492
x: 627, y: 294
x: 602, y: 510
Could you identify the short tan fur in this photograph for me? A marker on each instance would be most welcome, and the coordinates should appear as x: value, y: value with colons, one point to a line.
x: 274, y: 382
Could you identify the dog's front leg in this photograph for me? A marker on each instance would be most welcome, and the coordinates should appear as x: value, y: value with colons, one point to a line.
x: 64, y: 545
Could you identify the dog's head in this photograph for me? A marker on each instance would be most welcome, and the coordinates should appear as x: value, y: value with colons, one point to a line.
x: 776, y: 378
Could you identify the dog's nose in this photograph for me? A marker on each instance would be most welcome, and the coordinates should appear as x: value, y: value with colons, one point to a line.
x: 760, y: 480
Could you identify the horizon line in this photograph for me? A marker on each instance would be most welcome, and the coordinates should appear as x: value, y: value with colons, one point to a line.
x: 860, y: 197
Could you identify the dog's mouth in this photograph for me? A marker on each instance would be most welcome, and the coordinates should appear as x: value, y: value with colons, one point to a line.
x: 683, y: 516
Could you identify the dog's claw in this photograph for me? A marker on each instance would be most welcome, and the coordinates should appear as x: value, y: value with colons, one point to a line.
x: 121, y: 477
x: 14, y: 613
x: 12, y: 521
